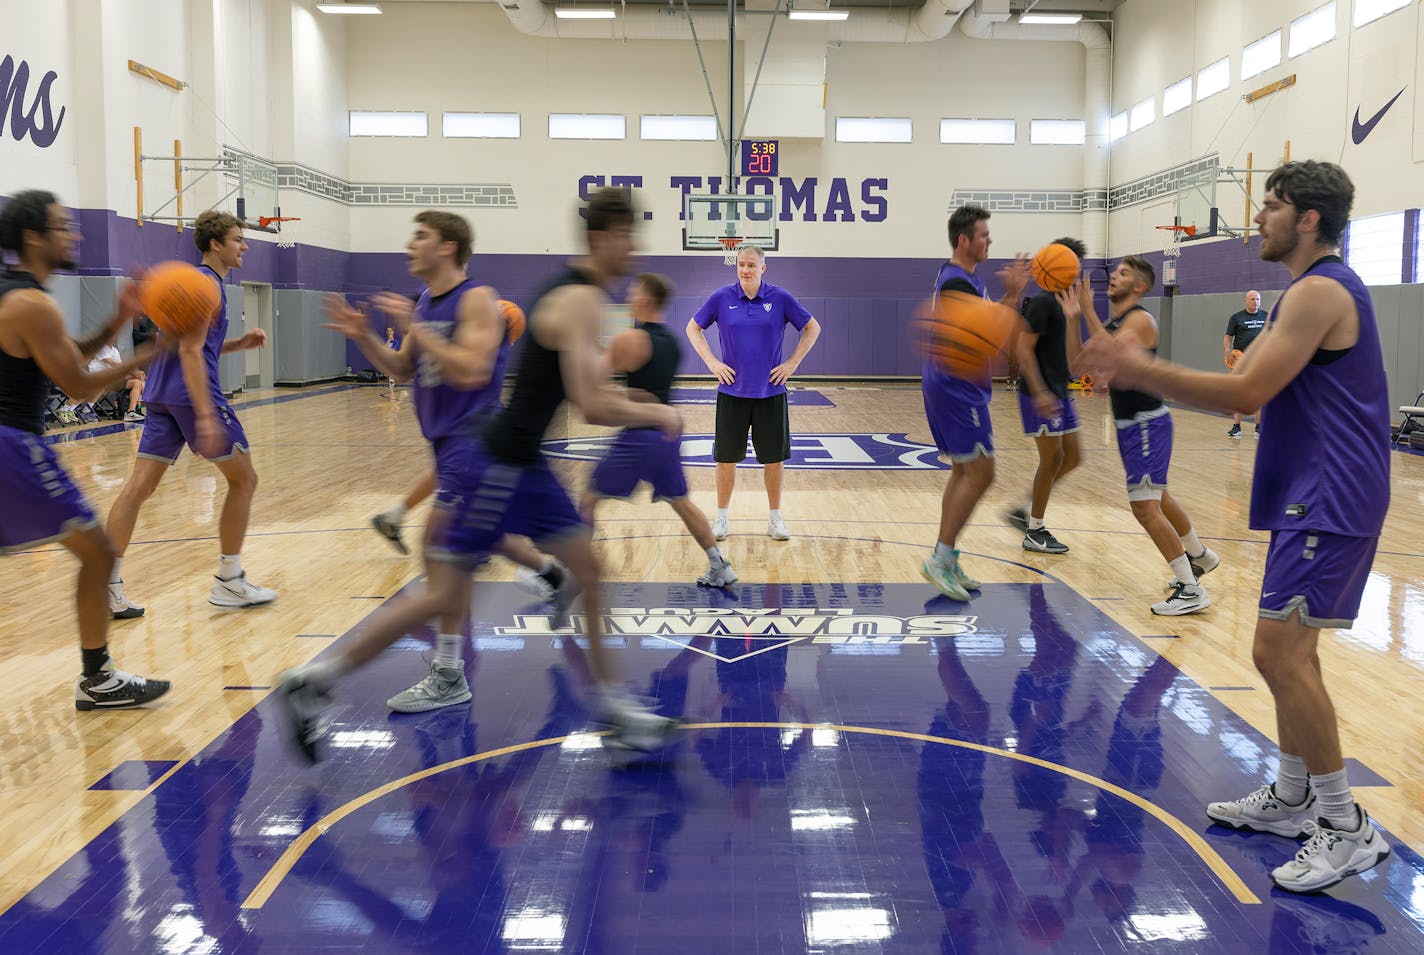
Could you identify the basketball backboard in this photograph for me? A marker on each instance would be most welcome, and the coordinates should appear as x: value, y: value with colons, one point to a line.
x: 709, y: 219
x: 1196, y: 203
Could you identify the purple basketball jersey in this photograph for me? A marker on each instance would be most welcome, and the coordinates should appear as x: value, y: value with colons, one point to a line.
x: 442, y: 409
x: 1324, y: 464
x: 933, y: 378
x: 165, y: 383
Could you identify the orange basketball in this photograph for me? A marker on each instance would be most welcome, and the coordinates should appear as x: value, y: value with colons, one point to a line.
x: 179, y: 297
x: 963, y: 334
x: 1055, y: 267
x: 1233, y: 358
x: 513, y: 319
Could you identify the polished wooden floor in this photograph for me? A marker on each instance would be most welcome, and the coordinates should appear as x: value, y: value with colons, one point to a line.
x: 331, y: 457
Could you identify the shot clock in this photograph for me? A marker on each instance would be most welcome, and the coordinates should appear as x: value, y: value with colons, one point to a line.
x: 759, y: 157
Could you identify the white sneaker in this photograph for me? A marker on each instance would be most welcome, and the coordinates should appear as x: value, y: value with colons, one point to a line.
x: 1263, y: 811
x: 718, y: 575
x: 239, y: 592
x: 120, y: 606
x: 1205, y: 562
x: 442, y: 686
x: 1184, y: 599
x: 535, y: 582
x: 720, y: 528
x: 776, y: 529
x: 638, y: 732
x: 1332, y: 855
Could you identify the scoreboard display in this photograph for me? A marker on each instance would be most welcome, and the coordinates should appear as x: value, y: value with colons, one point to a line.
x: 759, y: 157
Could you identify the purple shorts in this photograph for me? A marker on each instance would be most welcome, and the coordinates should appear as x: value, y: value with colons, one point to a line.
x: 40, y: 503
x: 489, y: 498
x: 1037, y: 426
x: 1146, y: 449
x: 1321, y: 576
x: 454, y: 457
x: 169, y: 427
x: 962, y: 430
x: 641, y: 454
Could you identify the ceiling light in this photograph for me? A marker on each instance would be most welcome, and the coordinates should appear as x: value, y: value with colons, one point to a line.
x: 349, y: 8
x: 1050, y: 19
x: 584, y: 13
x: 818, y: 14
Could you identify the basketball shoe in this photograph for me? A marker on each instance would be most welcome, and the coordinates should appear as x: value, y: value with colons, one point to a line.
x: 442, y: 686
x: 719, y: 574
x: 1332, y: 855
x: 1042, y: 541
x: 942, y: 573
x: 776, y: 529
x: 1264, y: 811
x: 239, y: 592
x: 112, y: 689
x: 390, y: 530
x: 720, y: 528
x: 305, y: 704
x: 120, y: 606
x: 1185, y: 598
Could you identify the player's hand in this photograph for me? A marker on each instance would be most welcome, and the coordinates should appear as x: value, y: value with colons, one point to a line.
x: 782, y: 372
x: 1015, y: 276
x: 257, y: 338
x: 210, y: 436
x: 400, y: 309
x: 670, y: 423
x: 723, y: 371
x: 1047, y: 405
x: 1114, y: 361
x: 343, y: 318
x: 1070, y: 300
x: 129, y: 306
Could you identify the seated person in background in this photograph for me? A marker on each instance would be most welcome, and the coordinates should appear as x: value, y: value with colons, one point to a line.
x: 71, y: 413
x: 143, y: 331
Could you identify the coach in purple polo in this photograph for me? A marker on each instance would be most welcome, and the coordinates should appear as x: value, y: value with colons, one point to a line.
x: 751, y: 317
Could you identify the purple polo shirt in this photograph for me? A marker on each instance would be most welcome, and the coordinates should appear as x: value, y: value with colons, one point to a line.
x: 750, y: 331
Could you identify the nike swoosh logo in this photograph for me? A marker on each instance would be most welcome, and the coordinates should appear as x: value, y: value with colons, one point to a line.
x: 1271, y: 594
x: 1359, y: 130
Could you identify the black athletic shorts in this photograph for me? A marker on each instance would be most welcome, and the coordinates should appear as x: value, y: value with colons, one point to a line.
x: 767, y: 420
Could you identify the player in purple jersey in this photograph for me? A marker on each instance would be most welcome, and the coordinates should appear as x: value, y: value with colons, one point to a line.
x: 1144, y: 437
x: 648, y: 355
x: 186, y: 406
x: 506, y: 485
x: 958, y: 409
x: 454, y: 350
x: 751, y: 316
x: 40, y: 503
x: 1321, y: 488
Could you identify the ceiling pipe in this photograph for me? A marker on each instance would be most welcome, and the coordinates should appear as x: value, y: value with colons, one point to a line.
x: 933, y: 21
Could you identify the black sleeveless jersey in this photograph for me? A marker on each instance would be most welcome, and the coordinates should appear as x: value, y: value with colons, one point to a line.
x: 656, y: 375
x: 23, y: 387
x: 1127, y: 404
x: 514, y: 434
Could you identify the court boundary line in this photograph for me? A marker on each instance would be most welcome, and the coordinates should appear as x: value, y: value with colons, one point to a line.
x: 1218, y: 866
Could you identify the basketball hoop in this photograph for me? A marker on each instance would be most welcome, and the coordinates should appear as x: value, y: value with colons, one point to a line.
x: 286, y: 238
x: 1179, y: 232
x: 729, y: 248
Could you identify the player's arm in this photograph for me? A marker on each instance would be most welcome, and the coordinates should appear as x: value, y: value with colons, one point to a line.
x: 106, y: 334
x: 698, y: 339
x: 629, y: 350
x: 570, y: 317
x: 396, y: 365
x: 59, y: 356
x: 256, y: 338
x: 809, y: 333
x: 1318, y: 313
x: 466, y: 360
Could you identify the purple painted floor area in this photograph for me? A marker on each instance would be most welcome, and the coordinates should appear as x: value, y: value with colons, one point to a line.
x: 869, y: 768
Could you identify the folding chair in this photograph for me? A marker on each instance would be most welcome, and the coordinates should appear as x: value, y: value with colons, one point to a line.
x: 1408, y: 425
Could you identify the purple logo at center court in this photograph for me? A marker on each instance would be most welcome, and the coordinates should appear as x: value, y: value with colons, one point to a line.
x: 827, y: 452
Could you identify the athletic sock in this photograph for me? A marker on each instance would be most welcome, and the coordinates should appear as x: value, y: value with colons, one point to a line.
x: 1035, y: 523
x: 448, y: 647
x: 775, y: 514
x: 714, y: 555
x: 229, y: 566
x: 722, y: 513
x: 94, y: 660
x: 1292, y: 780
x: 397, y: 513
x: 114, y: 576
x: 1192, y: 544
x: 1337, y: 805
x: 944, y: 553
x: 1182, y: 567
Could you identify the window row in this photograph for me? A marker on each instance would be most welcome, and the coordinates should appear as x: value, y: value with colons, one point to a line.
x: 849, y: 129
x: 1305, y: 33
x: 1381, y: 248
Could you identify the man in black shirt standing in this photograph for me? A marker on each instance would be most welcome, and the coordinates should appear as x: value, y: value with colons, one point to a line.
x: 1241, y: 330
x: 1044, y: 349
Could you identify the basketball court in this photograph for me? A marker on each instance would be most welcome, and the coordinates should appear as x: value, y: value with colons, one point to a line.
x: 865, y: 765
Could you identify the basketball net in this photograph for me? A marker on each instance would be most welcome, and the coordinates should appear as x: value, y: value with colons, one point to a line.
x: 1173, y: 252
x: 729, y: 248
x: 286, y: 236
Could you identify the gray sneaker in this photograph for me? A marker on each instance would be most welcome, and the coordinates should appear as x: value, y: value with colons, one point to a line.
x: 1264, y: 811
x: 390, y: 530
x: 1018, y: 517
x: 1205, y: 562
x: 718, y: 575
x: 1042, y: 541
x: 1184, y: 599
x: 442, y: 686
